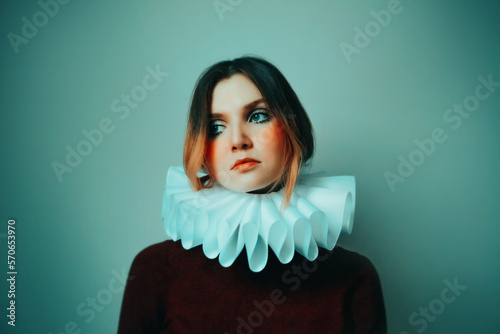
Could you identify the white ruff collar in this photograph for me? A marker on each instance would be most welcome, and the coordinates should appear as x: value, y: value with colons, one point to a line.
x: 224, y: 221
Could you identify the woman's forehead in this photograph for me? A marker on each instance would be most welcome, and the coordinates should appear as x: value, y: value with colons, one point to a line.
x: 236, y: 92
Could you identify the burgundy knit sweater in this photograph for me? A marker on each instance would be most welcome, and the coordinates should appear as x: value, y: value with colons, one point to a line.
x: 174, y: 290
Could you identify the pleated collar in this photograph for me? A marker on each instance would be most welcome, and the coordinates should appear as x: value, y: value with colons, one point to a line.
x: 224, y: 222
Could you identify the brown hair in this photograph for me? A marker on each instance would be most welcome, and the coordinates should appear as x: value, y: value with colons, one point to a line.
x: 282, y: 102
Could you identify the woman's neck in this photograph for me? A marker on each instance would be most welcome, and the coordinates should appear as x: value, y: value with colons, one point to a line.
x: 266, y: 189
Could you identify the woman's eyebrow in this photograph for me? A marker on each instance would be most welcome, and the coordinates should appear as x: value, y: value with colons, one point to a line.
x: 246, y: 107
x: 253, y: 104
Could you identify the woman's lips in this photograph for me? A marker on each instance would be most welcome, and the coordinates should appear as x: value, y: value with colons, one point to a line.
x: 245, y: 165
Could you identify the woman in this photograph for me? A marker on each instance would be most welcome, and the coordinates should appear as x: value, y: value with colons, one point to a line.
x: 240, y: 195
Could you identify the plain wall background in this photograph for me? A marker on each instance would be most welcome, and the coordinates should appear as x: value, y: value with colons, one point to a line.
x: 74, y: 236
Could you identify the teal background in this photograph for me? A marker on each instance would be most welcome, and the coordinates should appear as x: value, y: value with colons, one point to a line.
x: 73, y: 236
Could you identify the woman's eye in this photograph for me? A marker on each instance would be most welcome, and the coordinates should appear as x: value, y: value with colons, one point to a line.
x: 260, y: 117
x: 214, y: 129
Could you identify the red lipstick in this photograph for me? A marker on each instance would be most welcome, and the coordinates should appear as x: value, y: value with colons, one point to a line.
x: 245, y: 163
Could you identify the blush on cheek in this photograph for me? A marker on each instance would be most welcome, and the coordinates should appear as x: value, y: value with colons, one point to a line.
x: 279, y: 130
x: 269, y: 136
x: 210, y: 155
x: 278, y: 133
x: 264, y: 138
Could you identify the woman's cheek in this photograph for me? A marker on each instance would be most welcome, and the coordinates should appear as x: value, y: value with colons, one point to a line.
x: 210, y: 155
x: 265, y: 137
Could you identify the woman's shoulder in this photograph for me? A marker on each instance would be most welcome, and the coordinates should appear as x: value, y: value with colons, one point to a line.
x: 160, y: 251
x: 160, y: 248
x: 157, y: 257
x: 350, y: 259
x: 344, y: 264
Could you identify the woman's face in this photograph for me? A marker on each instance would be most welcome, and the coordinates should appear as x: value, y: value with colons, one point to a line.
x: 245, y: 142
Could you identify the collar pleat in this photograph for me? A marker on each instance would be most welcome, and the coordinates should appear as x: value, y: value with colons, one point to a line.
x: 224, y: 222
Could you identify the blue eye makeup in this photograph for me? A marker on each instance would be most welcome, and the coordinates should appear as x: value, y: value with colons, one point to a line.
x: 215, y: 128
x: 259, y: 116
x: 256, y: 116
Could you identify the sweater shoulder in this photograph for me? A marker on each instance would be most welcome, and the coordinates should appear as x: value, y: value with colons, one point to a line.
x: 156, y: 256
x: 352, y: 258
x: 352, y: 263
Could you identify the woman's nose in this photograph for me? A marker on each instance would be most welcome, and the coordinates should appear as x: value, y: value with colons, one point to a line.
x: 240, y: 138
